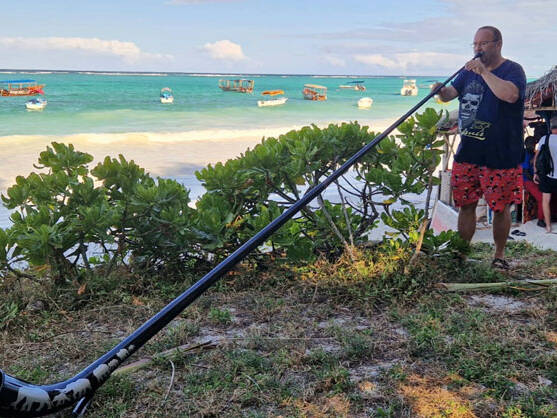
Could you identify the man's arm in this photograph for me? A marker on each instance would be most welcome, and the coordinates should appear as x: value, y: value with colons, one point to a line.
x: 536, y: 176
x: 502, y: 89
x: 447, y: 93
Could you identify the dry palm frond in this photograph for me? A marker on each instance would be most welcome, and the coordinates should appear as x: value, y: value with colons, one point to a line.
x: 515, y: 284
x: 543, y: 91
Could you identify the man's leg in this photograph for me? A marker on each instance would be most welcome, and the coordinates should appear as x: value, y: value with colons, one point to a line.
x: 546, y: 198
x: 467, y: 221
x: 467, y: 191
x: 501, y: 228
x: 502, y: 187
x: 534, y: 190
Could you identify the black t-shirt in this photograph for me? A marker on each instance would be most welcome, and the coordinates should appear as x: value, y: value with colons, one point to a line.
x: 491, y: 129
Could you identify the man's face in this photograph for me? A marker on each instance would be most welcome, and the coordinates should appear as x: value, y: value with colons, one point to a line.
x: 485, y: 42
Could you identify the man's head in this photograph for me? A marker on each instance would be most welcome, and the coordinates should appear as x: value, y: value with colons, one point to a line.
x: 530, y: 144
x: 540, y: 129
x: 553, y: 123
x: 489, y: 41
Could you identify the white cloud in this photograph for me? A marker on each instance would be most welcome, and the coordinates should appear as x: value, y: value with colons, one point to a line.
x: 224, y: 50
x: 377, y: 59
x: 528, y: 28
x: 512, y: 15
x: 412, y: 61
x: 459, y: 21
x: 335, y: 61
x: 128, y: 51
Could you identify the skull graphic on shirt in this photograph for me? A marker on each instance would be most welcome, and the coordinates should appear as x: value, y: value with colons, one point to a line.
x: 469, y: 104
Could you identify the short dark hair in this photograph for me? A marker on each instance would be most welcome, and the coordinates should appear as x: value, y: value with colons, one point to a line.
x: 530, y: 141
x: 540, y: 130
x: 494, y: 31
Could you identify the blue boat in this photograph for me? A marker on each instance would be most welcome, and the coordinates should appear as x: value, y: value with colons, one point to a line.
x: 354, y: 85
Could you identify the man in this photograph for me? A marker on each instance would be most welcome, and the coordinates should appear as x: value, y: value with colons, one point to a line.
x: 528, y: 176
x: 548, y: 181
x: 491, y: 95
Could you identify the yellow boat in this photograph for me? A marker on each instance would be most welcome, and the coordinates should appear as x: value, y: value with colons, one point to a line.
x: 272, y: 102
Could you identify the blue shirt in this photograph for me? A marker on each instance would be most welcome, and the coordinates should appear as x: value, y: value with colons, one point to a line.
x: 527, y: 166
x: 491, y: 131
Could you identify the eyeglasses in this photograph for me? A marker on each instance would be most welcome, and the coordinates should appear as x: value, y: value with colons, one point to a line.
x: 482, y: 44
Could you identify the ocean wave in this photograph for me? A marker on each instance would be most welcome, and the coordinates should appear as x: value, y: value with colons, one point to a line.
x: 205, y: 135
x: 121, y: 73
x: 226, y: 75
x: 332, y: 76
x: 221, y: 75
x: 207, y: 75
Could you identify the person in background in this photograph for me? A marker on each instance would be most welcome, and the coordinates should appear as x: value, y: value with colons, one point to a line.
x: 487, y: 162
x: 528, y: 176
x: 548, y: 182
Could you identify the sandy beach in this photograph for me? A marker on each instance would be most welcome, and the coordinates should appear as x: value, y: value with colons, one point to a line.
x: 158, y: 157
x: 161, y: 154
x: 173, y: 155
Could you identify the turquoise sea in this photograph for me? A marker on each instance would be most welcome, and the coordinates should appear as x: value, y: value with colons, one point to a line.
x: 116, y: 103
x: 120, y: 113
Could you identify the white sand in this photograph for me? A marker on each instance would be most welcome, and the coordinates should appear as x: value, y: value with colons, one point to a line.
x: 158, y: 158
x: 161, y: 154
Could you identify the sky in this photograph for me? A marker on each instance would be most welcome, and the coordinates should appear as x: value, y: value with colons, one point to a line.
x: 363, y: 37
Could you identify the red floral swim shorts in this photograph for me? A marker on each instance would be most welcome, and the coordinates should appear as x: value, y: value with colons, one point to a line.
x: 500, y: 187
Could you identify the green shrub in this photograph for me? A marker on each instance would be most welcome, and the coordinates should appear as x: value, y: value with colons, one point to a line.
x: 148, y: 225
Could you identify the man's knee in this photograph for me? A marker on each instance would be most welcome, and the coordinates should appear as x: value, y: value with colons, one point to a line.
x: 470, y: 208
x: 506, y: 209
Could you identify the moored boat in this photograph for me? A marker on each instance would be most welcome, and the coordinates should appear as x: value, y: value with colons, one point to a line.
x: 276, y: 101
x: 314, y: 92
x: 354, y: 85
x: 241, y: 85
x: 409, y: 88
x: 18, y: 88
x: 365, y: 102
x: 166, y: 95
x: 36, y: 104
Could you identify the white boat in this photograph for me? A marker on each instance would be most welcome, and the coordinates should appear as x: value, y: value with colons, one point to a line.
x: 36, y: 104
x: 409, y: 88
x: 166, y: 95
x: 354, y: 85
x: 365, y: 102
x: 272, y: 102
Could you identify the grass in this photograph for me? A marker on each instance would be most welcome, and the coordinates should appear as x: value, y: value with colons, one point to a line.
x: 340, y: 339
